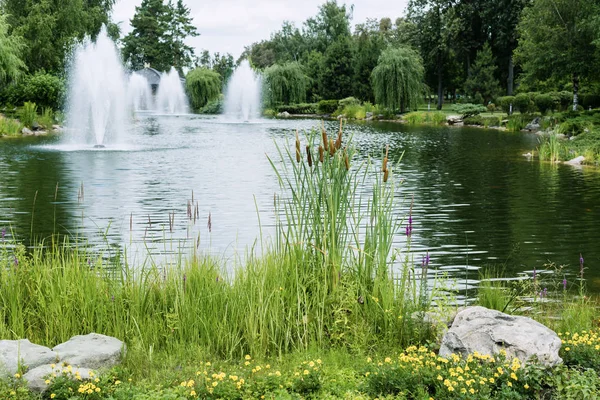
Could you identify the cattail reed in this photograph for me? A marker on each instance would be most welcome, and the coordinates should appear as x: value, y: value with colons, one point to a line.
x: 325, y: 140
x: 331, y: 147
x: 386, y: 174
x: 321, y: 154
x: 385, y: 159
x: 298, y: 154
x: 209, y: 225
x: 338, y: 142
x: 346, y: 161
x: 309, y: 156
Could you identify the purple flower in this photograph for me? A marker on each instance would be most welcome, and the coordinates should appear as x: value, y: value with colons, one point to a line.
x: 425, y: 262
x: 581, y: 265
x: 409, y: 227
x: 565, y: 284
x: 3, y: 233
x: 544, y: 293
x: 112, y: 298
x: 16, y: 261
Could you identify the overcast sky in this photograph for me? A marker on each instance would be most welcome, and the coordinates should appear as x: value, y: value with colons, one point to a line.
x: 227, y: 26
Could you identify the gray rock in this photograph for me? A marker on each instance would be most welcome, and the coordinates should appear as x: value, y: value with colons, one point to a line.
x: 28, y: 354
x: 27, y: 132
x: 35, y: 126
x: 478, y: 329
x: 454, y: 119
x: 284, y: 114
x: 57, y: 128
x: 36, y: 378
x: 534, y: 125
x: 576, y: 161
x: 369, y: 116
x: 91, y: 351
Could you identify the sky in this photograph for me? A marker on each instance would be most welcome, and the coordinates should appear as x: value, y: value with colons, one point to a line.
x: 226, y: 26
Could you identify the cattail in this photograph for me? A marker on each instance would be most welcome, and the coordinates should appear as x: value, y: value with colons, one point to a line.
x: 386, y: 175
x: 321, y: 154
x: 331, y: 147
x: 338, y: 142
x: 309, y: 156
x: 325, y: 140
x: 346, y: 161
x: 385, y: 159
x: 298, y: 154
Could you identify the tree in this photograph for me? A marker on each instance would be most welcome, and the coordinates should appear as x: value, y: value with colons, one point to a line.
x: 11, y: 48
x: 482, y: 80
x: 331, y: 23
x: 337, y: 70
x: 284, y: 84
x: 369, y: 40
x: 50, y: 28
x: 557, y: 39
x: 398, y: 79
x: 224, y: 65
x: 179, y: 28
x: 203, y: 85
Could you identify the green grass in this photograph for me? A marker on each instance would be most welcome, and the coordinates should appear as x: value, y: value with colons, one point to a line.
x: 10, y: 127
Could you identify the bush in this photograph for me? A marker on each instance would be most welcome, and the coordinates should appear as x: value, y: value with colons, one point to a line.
x: 523, y: 102
x: 43, y: 89
x: 482, y: 121
x: 590, y: 100
x: 354, y: 111
x: 505, y: 102
x: 303, y: 108
x: 491, y: 107
x: 327, y: 106
x: 213, y: 106
x: 469, y: 110
x: 349, y: 101
x: 575, y: 126
x: 517, y: 122
x: 562, y: 100
x: 9, y: 127
x: 202, y: 86
x: 544, y: 102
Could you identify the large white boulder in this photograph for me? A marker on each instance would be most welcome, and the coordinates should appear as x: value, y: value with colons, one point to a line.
x: 478, y: 329
x: 93, y: 351
x: 15, y: 352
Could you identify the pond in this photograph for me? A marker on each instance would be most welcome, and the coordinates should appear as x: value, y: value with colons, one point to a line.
x: 477, y: 201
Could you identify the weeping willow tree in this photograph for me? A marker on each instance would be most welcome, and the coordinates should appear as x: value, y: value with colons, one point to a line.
x: 398, y: 79
x: 284, y: 84
x: 203, y: 85
x: 11, y: 47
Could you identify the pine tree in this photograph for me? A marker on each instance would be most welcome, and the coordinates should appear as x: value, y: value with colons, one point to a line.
x: 180, y: 27
x: 482, y: 80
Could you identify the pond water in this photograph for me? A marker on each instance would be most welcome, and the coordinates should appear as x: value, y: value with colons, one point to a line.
x: 477, y: 201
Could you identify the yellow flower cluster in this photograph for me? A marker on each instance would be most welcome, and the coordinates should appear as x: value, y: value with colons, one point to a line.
x: 580, y: 340
x: 88, y: 388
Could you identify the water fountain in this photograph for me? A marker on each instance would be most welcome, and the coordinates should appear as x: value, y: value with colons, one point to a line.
x: 97, y: 109
x: 243, y: 95
x: 140, y: 93
x: 171, y: 98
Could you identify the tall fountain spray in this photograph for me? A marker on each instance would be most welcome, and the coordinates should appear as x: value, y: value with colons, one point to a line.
x: 243, y: 95
x: 171, y: 98
x: 139, y: 93
x: 97, y: 109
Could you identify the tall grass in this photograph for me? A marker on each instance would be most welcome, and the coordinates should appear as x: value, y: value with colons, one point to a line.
x: 420, y: 117
x: 9, y: 127
x: 326, y: 280
x: 550, y: 149
x: 28, y: 114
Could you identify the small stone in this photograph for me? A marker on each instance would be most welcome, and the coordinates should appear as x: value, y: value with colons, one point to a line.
x: 27, y: 132
x: 454, y: 119
x: 284, y: 114
x: 36, y: 378
x: 576, y: 161
x: 91, y: 351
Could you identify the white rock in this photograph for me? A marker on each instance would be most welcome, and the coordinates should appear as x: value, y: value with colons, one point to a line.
x: 576, y: 161
x: 91, y: 351
x: 36, y: 378
x: 26, y: 132
x: 478, y: 329
x: 454, y: 119
x: 30, y: 355
x: 284, y: 114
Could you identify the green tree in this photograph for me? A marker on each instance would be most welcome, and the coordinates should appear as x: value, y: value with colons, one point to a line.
x: 203, y: 85
x: 369, y: 39
x: 179, y: 28
x: 398, y: 79
x: 337, y: 70
x: 482, y: 79
x: 329, y: 25
x: 557, y: 40
x: 284, y: 84
x: 50, y: 28
x: 224, y: 65
x: 11, y: 48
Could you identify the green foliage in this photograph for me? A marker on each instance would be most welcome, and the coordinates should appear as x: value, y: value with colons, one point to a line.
x: 482, y: 80
x: 469, y: 110
x: 516, y: 123
x: 28, y: 114
x: 505, y: 103
x: 203, y: 85
x: 337, y: 70
x: 420, y: 117
x: 298, y: 109
x: 51, y: 28
x: 46, y: 120
x: 46, y: 90
x: 11, y: 48
x: 575, y: 126
x: 284, y: 84
x: 398, y: 79
x: 523, y: 102
x: 544, y: 102
x: 590, y: 101
x: 214, y: 106
x: 327, y: 106
x: 349, y: 101
x: 9, y: 127
x: 158, y: 36
x: 482, y: 121
x: 574, y: 384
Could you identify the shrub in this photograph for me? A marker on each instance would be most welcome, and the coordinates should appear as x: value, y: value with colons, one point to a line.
x: 590, y: 100
x: 469, y: 110
x: 303, y: 108
x: 202, y: 86
x: 349, y: 101
x: 517, y: 122
x: 415, y: 118
x: 47, y: 118
x: 491, y: 107
x: 213, y: 106
x: 562, y: 99
x: 354, y: 111
x: 544, y: 102
x: 482, y: 121
x: 575, y: 126
x: 9, y: 127
x: 474, y: 120
x: 327, y: 106
x: 43, y: 89
x: 28, y: 114
x: 523, y: 102
x: 505, y: 102
x: 437, y: 118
